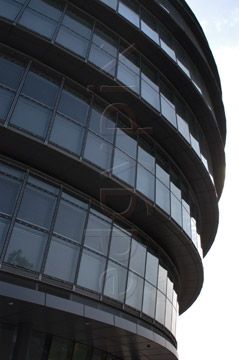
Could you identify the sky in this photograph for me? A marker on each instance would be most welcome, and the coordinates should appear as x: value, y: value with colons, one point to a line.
x: 209, y: 329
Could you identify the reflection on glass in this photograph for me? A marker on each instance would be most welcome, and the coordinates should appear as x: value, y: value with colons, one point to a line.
x: 145, y: 182
x: 149, y: 25
x: 120, y: 246
x: 4, y: 223
x: 9, y: 192
x: 176, y: 211
x: 168, y: 315
x: 61, y: 349
x: 126, y: 143
x: 130, y: 10
x: 160, y: 307
x: 98, y: 151
x: 151, y: 273
x: 74, y: 107
x: 124, y: 167
x: 10, y: 73
x: 162, y: 196
x: 6, y: 98
x: 26, y: 247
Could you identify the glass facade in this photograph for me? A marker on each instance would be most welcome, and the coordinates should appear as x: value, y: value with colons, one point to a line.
x: 47, y: 231
x: 82, y: 35
x: 65, y: 119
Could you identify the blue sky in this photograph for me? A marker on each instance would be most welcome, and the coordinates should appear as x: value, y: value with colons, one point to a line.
x: 209, y: 329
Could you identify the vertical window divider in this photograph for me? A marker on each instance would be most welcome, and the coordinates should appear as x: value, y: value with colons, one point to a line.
x: 82, y: 244
x: 13, y: 105
x: 21, y: 12
x: 107, y: 258
x: 117, y: 59
x: 156, y: 286
x: 144, y: 280
x: 136, y: 165
x: 59, y: 24
x: 114, y: 144
x: 117, y: 7
x: 90, y: 42
x: 51, y: 231
x: 54, y: 111
x: 127, y: 271
x: 155, y: 182
x: 14, y: 216
x: 140, y: 74
x: 87, y: 125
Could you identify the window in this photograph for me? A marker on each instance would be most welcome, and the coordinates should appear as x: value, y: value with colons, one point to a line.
x: 134, y: 292
x: 176, y: 211
x: 137, y: 257
x: 67, y: 134
x: 151, y: 269
x: 37, y: 207
x: 160, y: 307
x: 62, y: 260
x: 183, y: 128
x: 75, y: 33
x: 101, y: 124
x: 162, y: 279
x: 74, y: 107
x: 130, y: 10
x: 4, y: 224
x: 115, y: 282
x: 149, y: 25
x: 128, y: 68
x: 104, y: 51
x: 124, y: 167
x: 126, y: 143
x: 6, y: 98
x: 61, y: 349
x: 98, y: 151
x: 26, y: 247
x: 9, y: 193
x: 146, y: 159
x: 162, y: 196
x: 70, y: 221
x: 91, y: 273
x: 168, y: 315
x: 149, y: 299
x: 9, y: 8
x: 120, y: 246
x: 145, y: 182
x: 168, y: 110
x: 97, y: 234
x: 10, y: 73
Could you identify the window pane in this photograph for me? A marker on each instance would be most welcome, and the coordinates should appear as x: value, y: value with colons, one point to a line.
x: 137, y: 257
x: 78, y: 23
x: 162, y: 196
x: 195, y: 145
x: 176, y: 212
x: 146, y: 159
x: 130, y: 10
x: 120, y: 246
x: 98, y: 151
x: 6, y: 98
x: 91, y: 274
x: 149, y: 26
x: 26, y: 247
x: 9, y: 9
x: 168, y: 315
x: 126, y: 143
x: 162, y: 279
x: 151, y: 269
x: 110, y: 3
x: 62, y: 260
x: 150, y: 95
x: 183, y: 128
x: 37, y: 207
x: 145, y: 182
x: 168, y: 111
x: 36, y: 117
x: 42, y: 184
x: 10, y: 73
x: 115, y: 281
x: 149, y: 299
x: 103, y: 60
x: 170, y: 290
x: 186, y: 222
x: 4, y: 223
x: 70, y: 221
x: 8, y: 335
x: 67, y: 134
x: 11, y: 170
x: 81, y: 352
x: 124, y: 167
x: 160, y: 307
x: 37, y: 346
x: 72, y: 41
x: 40, y: 89
x: 162, y: 175
x: 38, y: 23
x: 61, y: 349
x: 105, y: 41
x: 134, y: 291
x: 74, y: 107
x: 128, y: 77
x: 102, y: 125
x: 97, y: 234
x: 51, y: 9
x: 9, y: 193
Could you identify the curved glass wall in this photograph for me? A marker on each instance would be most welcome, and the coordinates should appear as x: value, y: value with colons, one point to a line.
x: 46, y: 231
x: 86, y: 38
x: 87, y: 127
x: 137, y: 15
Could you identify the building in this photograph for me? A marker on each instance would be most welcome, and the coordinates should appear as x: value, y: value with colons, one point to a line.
x: 112, y: 133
